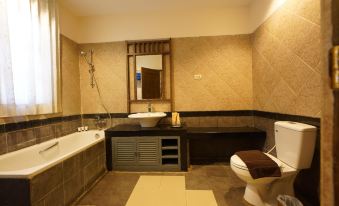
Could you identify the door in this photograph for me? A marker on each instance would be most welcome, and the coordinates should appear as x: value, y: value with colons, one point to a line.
x: 124, y: 151
x: 151, y: 86
x: 148, y: 151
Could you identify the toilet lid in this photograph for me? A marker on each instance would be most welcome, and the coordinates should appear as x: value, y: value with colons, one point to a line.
x: 237, y: 162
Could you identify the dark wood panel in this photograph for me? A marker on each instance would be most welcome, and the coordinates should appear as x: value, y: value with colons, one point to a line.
x: 336, y: 145
x: 15, y: 192
x: 335, y: 41
x: 210, y: 147
x: 335, y: 21
x: 109, y: 154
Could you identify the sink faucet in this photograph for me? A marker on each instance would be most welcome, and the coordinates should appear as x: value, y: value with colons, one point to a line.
x: 149, y: 107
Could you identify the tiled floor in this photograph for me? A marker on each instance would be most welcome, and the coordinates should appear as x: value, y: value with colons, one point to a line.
x: 168, y: 191
x: 115, y: 188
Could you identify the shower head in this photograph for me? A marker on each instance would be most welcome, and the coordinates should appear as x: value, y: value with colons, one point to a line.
x: 84, y: 55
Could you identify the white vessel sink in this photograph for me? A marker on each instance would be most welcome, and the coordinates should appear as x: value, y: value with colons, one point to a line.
x: 148, y: 119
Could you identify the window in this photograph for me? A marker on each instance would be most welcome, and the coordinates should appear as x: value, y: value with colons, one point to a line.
x: 28, y: 57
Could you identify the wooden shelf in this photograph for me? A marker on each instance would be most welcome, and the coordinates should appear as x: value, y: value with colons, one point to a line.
x: 174, y: 165
x: 169, y: 147
x: 170, y: 162
x: 170, y: 153
x: 169, y: 156
x: 148, y: 53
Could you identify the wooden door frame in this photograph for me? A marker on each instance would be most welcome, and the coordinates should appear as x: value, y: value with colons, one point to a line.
x: 329, y: 193
x: 335, y: 41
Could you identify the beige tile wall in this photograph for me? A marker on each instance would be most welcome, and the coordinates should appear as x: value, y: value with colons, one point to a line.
x: 267, y: 125
x: 223, y: 61
x: 286, y: 60
x: 71, y: 101
x: 110, y: 65
x: 225, y: 64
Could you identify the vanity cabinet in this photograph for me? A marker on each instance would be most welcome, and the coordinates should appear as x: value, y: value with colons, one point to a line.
x: 135, y: 151
x: 158, y: 153
x: 134, y: 148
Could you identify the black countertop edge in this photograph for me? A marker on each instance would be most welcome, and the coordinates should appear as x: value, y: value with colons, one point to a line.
x: 125, y: 130
x: 222, y: 130
x: 216, y: 113
x: 182, y: 114
x: 271, y: 115
x: 10, y: 127
x: 288, y: 117
x: 104, y: 115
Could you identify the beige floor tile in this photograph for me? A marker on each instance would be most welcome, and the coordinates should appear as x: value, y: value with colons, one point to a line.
x: 143, y: 197
x: 148, y: 192
x: 171, y: 197
x: 173, y: 183
x: 157, y: 197
x: 200, y: 198
x: 156, y: 189
x: 148, y: 182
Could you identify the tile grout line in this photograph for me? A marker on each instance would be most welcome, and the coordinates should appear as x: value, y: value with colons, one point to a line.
x: 271, y: 66
x: 289, y: 49
x: 297, y: 15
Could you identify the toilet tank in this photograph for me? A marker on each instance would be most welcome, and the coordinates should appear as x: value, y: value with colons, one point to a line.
x: 295, y: 143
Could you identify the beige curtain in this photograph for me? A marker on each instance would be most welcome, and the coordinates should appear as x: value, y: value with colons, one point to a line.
x: 29, y: 62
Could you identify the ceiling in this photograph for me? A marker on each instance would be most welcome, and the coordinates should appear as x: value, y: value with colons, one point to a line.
x: 107, y: 7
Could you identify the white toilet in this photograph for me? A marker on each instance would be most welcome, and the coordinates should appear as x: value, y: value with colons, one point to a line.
x: 295, y: 144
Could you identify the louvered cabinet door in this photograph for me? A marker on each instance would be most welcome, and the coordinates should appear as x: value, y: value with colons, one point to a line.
x: 148, y: 151
x: 124, y: 151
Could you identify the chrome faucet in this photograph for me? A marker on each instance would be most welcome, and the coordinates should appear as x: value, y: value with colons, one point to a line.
x: 149, y: 107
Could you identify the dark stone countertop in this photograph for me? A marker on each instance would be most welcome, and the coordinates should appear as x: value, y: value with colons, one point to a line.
x: 222, y: 130
x: 128, y: 130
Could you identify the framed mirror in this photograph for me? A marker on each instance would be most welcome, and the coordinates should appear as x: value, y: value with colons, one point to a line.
x: 149, y: 77
x: 149, y: 74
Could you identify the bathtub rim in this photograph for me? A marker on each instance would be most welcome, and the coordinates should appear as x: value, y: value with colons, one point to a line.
x: 28, y: 174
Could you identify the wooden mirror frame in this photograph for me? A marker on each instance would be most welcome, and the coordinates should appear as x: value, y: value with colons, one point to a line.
x: 149, y: 47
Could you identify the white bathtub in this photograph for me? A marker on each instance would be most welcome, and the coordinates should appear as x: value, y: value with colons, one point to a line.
x: 32, y: 160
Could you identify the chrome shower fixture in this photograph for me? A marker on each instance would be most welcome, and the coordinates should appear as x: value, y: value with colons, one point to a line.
x: 89, y: 61
x: 88, y: 57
